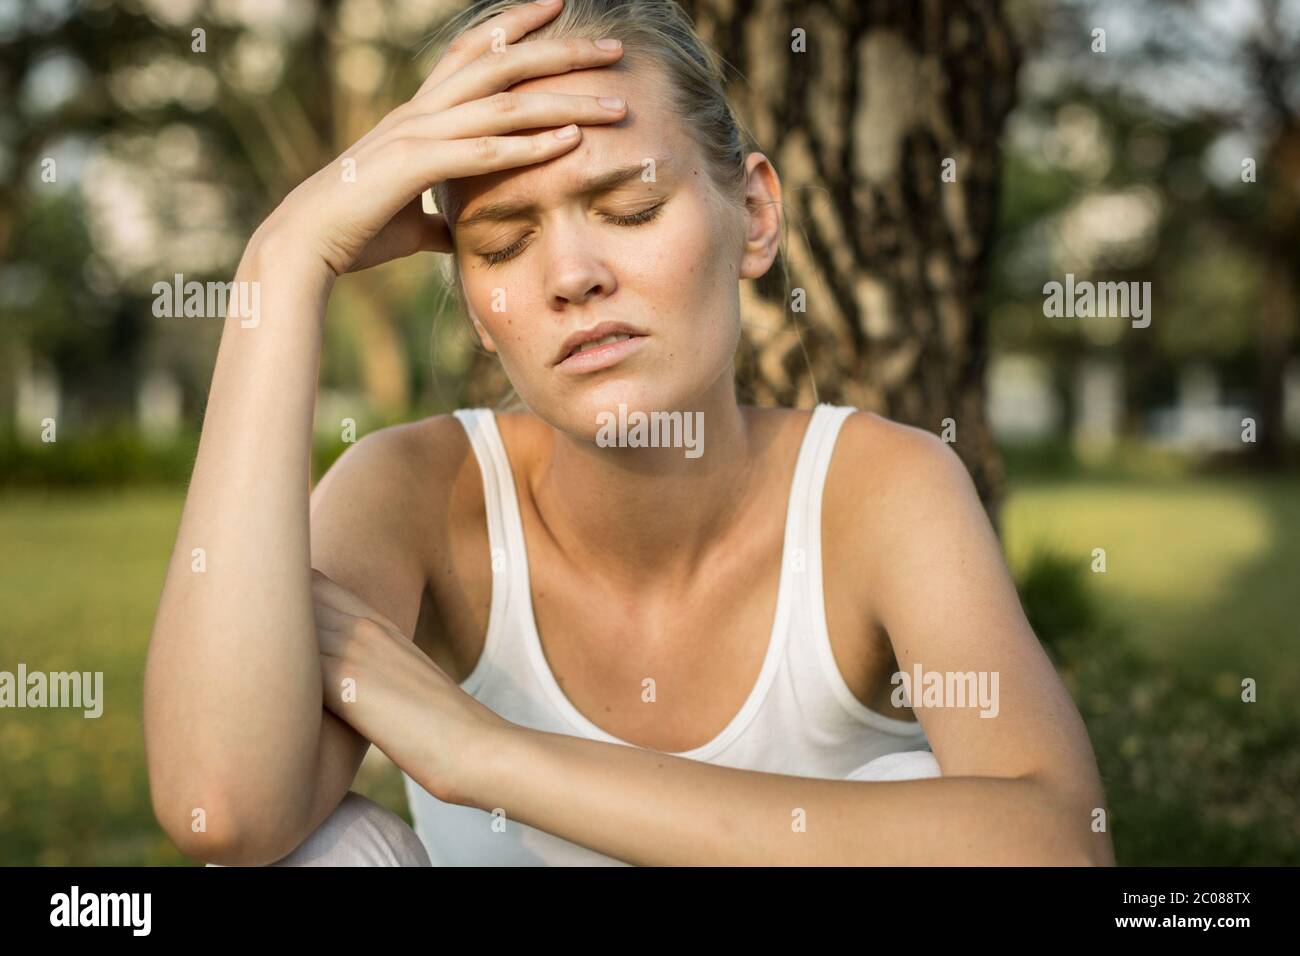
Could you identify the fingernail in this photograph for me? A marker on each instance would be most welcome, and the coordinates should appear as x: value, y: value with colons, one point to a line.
x: 609, y: 43
x: 567, y: 132
x: 546, y: 3
x: 611, y: 102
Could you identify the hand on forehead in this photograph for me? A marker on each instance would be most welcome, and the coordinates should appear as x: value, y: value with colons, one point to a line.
x: 647, y: 135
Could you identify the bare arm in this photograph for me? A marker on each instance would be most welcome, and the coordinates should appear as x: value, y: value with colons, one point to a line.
x: 269, y: 771
x: 232, y: 679
x: 652, y: 809
x: 235, y: 731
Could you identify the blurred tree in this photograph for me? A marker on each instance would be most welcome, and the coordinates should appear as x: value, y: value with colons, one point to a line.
x: 1189, y: 117
x: 1252, y: 106
x: 1268, y: 59
x: 258, y: 97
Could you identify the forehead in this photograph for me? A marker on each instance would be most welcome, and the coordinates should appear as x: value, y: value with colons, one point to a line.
x: 648, y: 129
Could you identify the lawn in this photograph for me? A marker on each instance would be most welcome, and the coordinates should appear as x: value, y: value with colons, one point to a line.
x: 1201, y: 574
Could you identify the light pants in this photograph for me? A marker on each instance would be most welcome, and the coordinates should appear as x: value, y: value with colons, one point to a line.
x: 360, y: 832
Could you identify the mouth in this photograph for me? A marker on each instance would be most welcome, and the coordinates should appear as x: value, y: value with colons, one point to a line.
x: 599, y: 347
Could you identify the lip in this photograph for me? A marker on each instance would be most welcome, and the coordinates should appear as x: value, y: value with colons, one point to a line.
x: 602, y: 356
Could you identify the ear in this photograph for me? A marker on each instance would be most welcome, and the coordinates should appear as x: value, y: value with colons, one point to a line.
x: 762, y: 216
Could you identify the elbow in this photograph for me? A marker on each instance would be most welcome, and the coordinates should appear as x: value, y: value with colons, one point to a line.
x: 201, y: 828
x: 214, y: 816
x: 1084, y: 856
x: 1068, y: 822
x: 1096, y: 851
x: 1084, y: 846
x: 213, y: 829
x: 1060, y: 850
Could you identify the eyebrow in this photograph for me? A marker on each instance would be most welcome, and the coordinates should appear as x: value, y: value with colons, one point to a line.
x: 601, y: 182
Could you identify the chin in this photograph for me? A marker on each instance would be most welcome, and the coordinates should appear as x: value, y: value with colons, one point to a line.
x: 581, y: 414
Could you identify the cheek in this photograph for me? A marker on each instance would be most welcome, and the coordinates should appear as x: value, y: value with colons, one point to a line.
x: 485, y: 297
x: 685, y: 270
x: 497, y: 304
x: 701, y: 282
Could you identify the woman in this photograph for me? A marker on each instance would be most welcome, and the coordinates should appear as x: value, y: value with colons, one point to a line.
x: 580, y: 648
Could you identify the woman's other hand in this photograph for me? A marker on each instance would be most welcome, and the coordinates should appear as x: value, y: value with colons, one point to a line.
x: 376, y: 679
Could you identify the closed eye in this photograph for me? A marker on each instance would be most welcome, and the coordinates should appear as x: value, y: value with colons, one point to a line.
x: 645, y: 215
x: 633, y: 219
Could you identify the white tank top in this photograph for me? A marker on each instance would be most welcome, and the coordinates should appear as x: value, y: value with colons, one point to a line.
x: 800, y: 717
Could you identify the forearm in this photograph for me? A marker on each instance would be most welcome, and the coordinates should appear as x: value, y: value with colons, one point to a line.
x: 232, y: 683
x: 648, y: 808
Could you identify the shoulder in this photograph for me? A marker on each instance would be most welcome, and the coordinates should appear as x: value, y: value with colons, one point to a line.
x: 893, y: 459
x: 398, y: 459
x: 893, y: 489
x: 397, y: 483
x: 384, y: 514
x: 876, y: 462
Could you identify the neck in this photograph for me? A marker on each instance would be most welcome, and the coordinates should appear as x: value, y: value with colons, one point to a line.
x: 648, y: 514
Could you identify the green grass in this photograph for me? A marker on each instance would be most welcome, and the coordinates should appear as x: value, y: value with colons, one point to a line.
x: 81, y: 573
x: 1202, y: 574
x: 1201, y: 581
x: 1198, y: 596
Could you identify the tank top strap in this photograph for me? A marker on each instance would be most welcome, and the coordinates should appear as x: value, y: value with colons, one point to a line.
x: 803, y: 550
x: 510, y: 597
x: 810, y: 481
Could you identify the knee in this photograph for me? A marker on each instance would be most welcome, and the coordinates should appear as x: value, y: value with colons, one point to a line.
x: 359, y: 832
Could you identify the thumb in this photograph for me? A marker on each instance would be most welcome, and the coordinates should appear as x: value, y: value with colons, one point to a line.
x: 437, y: 234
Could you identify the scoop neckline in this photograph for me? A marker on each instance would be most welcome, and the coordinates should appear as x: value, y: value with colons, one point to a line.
x: 776, y: 637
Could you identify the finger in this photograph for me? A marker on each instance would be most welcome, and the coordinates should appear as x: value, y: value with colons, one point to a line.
x: 495, y: 72
x: 510, y: 112
x: 504, y: 28
x: 333, y: 595
x: 416, y: 163
x: 437, y: 234
x: 421, y: 108
x: 412, y: 230
x: 405, y: 166
x: 332, y: 620
x: 333, y: 674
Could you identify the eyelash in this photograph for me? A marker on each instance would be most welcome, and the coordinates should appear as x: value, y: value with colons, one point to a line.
x: 635, y: 219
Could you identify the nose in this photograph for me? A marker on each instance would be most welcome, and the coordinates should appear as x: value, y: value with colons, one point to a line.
x: 576, y: 272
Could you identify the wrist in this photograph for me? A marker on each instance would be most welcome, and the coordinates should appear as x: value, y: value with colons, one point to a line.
x: 272, y: 250
x: 500, y: 755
